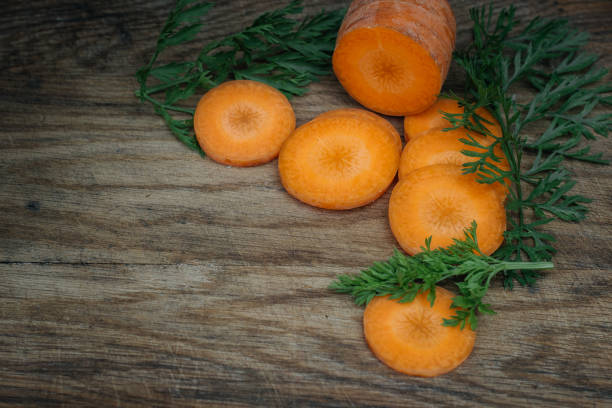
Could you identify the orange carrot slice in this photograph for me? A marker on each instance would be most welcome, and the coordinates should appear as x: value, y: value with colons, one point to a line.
x: 338, y: 162
x: 362, y: 113
x: 392, y: 56
x: 419, y: 124
x: 441, y: 202
x: 243, y: 123
x: 410, y: 338
x: 445, y: 147
x: 436, y: 147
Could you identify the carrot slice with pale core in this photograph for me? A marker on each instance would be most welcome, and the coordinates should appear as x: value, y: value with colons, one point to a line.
x: 437, y: 147
x: 338, y: 162
x: 367, y: 115
x: 409, y: 337
x: 445, y: 147
x: 421, y: 123
x: 243, y: 123
x: 441, y: 202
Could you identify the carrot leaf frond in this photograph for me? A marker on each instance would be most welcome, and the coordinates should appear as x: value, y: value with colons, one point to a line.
x: 567, y: 101
x: 404, y: 277
x: 279, y: 48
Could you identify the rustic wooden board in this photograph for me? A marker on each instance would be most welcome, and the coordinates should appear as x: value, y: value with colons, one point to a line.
x: 135, y: 273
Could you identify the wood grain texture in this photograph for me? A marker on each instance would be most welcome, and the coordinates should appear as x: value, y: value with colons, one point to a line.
x: 135, y: 273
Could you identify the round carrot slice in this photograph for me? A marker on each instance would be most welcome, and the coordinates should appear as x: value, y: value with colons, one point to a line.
x: 437, y: 147
x: 364, y: 114
x: 421, y: 123
x: 410, y: 338
x: 445, y: 147
x: 441, y: 202
x: 243, y: 123
x: 338, y: 162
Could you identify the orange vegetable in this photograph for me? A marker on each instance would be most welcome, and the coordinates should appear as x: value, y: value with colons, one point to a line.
x: 243, y: 123
x: 427, y: 144
x: 367, y: 115
x: 409, y: 337
x: 439, y: 147
x: 441, y: 202
x: 419, y: 124
x: 392, y: 56
x: 339, y: 161
x: 436, y: 147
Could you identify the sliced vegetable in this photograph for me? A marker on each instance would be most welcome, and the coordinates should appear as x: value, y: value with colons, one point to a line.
x: 435, y: 147
x: 339, y: 161
x: 367, y: 115
x: 410, y: 338
x: 433, y: 118
x: 243, y: 123
x: 446, y: 147
x: 440, y: 202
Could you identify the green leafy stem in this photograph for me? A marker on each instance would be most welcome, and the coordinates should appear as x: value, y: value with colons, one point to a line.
x: 548, y: 55
x: 404, y: 277
x: 278, y: 49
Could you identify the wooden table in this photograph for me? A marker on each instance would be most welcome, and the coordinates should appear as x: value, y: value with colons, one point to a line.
x: 135, y: 273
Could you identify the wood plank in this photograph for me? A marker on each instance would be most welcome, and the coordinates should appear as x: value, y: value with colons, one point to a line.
x: 275, y: 336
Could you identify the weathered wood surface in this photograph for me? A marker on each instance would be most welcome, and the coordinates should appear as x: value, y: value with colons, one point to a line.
x: 135, y: 273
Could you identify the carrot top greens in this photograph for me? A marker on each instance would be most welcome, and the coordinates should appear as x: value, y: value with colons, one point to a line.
x: 548, y: 56
x: 278, y: 49
x: 404, y: 277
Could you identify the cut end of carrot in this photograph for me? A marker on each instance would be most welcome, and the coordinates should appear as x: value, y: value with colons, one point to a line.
x: 243, y: 123
x: 441, y: 202
x: 409, y: 337
x: 386, y: 71
x: 339, y: 161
